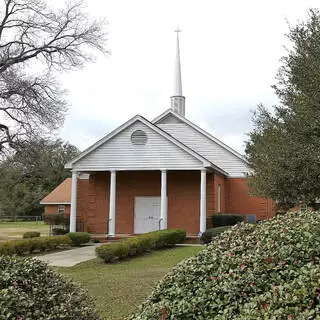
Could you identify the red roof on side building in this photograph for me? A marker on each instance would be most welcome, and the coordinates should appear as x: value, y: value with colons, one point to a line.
x: 60, y: 195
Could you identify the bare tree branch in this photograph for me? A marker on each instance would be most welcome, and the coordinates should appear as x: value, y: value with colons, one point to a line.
x: 58, y: 40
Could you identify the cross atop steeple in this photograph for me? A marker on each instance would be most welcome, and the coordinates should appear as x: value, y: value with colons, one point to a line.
x: 178, y: 100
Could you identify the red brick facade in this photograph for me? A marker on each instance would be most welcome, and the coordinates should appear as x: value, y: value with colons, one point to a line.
x: 53, y: 209
x: 183, y: 190
x: 239, y: 200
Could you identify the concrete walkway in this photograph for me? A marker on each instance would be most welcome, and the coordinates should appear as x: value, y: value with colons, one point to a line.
x: 69, y: 258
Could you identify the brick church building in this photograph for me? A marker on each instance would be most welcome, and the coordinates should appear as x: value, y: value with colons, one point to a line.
x: 165, y: 173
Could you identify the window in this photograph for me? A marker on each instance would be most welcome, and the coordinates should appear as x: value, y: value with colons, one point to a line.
x: 139, y: 138
x: 61, y: 209
x: 219, y: 198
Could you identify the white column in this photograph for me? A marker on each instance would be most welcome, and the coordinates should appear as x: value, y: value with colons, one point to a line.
x: 112, y: 204
x: 164, y: 204
x: 203, y: 201
x: 73, y: 209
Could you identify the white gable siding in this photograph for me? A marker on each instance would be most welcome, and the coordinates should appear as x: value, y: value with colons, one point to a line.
x: 170, y: 119
x: 206, y: 147
x: 120, y: 154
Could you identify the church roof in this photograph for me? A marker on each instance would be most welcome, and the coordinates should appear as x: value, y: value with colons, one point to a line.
x: 90, y: 165
x: 203, y: 142
x: 182, y: 119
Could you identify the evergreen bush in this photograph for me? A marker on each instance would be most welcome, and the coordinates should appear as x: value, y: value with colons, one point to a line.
x: 30, y: 290
x: 260, y: 271
x: 41, y: 244
x: 59, y: 231
x: 219, y: 220
x: 207, y: 236
x: 31, y: 234
x: 79, y: 238
x: 137, y: 245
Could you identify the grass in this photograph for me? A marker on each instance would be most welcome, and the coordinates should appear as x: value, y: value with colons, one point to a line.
x: 119, y: 288
x: 15, y: 230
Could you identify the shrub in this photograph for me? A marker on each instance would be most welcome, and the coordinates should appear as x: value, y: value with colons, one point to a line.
x: 59, y: 231
x: 207, y: 236
x: 31, y: 234
x: 30, y: 290
x: 219, y: 220
x: 261, y: 271
x: 25, y: 246
x: 137, y: 245
x: 56, y: 219
x: 79, y: 238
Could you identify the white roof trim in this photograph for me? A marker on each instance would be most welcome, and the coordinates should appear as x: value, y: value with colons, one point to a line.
x: 43, y: 202
x: 93, y: 169
x: 206, y: 162
x: 205, y: 133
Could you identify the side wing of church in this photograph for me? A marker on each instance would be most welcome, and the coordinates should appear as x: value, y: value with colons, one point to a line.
x: 168, y: 173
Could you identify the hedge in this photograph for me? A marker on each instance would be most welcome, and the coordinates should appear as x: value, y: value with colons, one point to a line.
x: 30, y: 290
x: 260, y: 271
x: 137, y: 245
x: 31, y: 234
x: 60, y: 231
x: 207, y: 236
x: 219, y: 220
x: 79, y: 238
x: 26, y: 246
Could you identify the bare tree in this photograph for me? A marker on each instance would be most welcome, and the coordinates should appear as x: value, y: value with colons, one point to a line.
x: 36, y: 42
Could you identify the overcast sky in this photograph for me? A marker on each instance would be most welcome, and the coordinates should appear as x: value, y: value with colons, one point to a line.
x: 230, y: 52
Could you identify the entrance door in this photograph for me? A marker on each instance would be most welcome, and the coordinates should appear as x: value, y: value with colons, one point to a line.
x: 146, y: 214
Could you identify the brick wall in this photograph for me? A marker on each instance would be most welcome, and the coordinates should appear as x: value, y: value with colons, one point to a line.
x: 53, y: 209
x: 183, y: 190
x: 238, y: 200
x: 50, y: 209
x: 131, y: 184
x: 97, y: 203
x: 184, y: 200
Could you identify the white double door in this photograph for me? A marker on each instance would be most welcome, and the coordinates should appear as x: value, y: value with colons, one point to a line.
x: 146, y: 214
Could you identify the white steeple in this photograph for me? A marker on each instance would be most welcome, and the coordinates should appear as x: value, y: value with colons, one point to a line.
x: 178, y: 100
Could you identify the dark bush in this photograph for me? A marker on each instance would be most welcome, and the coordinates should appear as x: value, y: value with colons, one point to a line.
x: 251, y: 271
x: 30, y: 290
x: 219, y: 220
x: 79, y: 238
x: 165, y: 238
x: 59, y: 231
x: 31, y: 234
x: 137, y: 245
x: 56, y: 219
x: 207, y: 236
x: 26, y: 246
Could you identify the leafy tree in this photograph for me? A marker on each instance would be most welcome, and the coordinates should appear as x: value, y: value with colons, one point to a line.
x: 284, y: 146
x: 36, y: 42
x: 32, y: 172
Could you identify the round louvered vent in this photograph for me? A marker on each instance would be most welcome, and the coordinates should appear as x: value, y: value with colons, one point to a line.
x: 139, y: 138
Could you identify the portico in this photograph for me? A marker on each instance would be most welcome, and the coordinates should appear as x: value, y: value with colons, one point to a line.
x: 144, y: 191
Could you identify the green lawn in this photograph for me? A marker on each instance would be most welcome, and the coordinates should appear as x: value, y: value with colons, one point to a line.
x: 119, y: 288
x: 15, y: 230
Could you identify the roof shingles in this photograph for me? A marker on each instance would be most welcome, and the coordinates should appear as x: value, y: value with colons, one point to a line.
x: 61, y: 194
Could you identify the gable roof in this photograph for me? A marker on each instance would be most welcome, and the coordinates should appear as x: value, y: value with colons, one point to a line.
x: 182, y: 119
x: 164, y: 134
x: 60, y: 195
